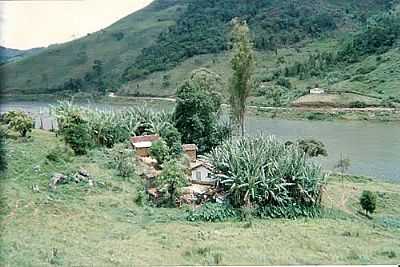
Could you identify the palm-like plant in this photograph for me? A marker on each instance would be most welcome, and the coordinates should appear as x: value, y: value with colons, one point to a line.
x: 263, y: 171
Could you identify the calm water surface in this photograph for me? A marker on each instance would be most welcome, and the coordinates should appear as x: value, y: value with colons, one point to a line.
x: 373, y: 148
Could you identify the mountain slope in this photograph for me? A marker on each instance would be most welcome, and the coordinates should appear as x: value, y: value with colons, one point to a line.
x: 9, y: 54
x: 115, y: 47
x: 151, y: 51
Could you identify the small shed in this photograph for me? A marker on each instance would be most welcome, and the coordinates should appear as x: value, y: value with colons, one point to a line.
x: 201, y: 173
x: 191, y: 151
x: 143, y: 143
x: 317, y: 91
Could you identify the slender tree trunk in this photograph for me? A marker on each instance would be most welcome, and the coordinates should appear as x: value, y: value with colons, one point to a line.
x: 242, y: 122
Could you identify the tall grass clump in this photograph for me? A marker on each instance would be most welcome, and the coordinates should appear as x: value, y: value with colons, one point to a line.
x: 266, y: 175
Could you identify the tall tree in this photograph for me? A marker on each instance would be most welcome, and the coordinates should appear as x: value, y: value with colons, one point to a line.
x: 197, y: 110
x: 243, y: 67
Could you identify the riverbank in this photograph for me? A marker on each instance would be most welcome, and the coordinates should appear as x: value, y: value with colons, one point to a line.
x: 286, y: 113
x: 328, y: 114
x: 102, y: 225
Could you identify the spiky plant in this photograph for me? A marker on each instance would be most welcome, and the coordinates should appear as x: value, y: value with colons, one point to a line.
x: 262, y: 171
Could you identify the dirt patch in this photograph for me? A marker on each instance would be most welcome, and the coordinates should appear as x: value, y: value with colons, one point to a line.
x: 332, y: 100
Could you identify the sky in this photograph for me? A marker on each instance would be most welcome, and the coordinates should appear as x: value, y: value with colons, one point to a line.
x: 35, y: 23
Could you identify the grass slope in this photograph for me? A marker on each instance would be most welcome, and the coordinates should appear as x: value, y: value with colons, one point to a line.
x: 80, y: 225
x: 58, y: 63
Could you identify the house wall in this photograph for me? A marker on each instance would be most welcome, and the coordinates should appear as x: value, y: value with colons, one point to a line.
x: 204, y: 172
x: 191, y: 154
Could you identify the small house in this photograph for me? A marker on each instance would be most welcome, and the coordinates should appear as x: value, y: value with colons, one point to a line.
x: 191, y: 151
x: 201, y: 173
x: 317, y: 91
x: 142, y: 144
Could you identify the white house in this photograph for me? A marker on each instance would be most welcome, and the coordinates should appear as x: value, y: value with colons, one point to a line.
x: 201, y: 173
x: 317, y: 91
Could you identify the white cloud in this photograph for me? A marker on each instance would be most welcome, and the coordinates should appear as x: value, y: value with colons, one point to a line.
x: 27, y: 24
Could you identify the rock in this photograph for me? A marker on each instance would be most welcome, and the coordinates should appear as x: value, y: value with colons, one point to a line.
x: 84, y: 173
x: 36, y: 168
x: 35, y: 188
x: 57, y: 179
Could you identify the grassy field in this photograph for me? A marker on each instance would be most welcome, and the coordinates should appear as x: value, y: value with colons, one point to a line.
x: 102, y: 226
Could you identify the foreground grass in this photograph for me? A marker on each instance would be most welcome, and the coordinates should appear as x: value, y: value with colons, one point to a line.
x: 102, y: 225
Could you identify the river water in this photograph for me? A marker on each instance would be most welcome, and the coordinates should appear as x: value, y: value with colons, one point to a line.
x: 372, y: 147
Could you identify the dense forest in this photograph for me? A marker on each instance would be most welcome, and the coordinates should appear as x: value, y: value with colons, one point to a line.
x: 203, y: 27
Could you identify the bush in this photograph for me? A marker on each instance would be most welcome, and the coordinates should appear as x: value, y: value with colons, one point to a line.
x: 159, y: 151
x: 212, y: 212
x: 368, y: 201
x: 312, y: 148
x: 19, y: 121
x: 284, y: 83
x: 264, y: 172
x: 76, y: 134
x: 60, y: 154
x: 170, y: 181
x: 358, y: 104
x: 123, y: 160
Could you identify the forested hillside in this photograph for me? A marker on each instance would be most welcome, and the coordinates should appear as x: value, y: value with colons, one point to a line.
x: 341, y: 44
x: 9, y: 54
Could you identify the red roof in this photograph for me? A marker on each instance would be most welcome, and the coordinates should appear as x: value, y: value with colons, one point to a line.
x: 144, y: 138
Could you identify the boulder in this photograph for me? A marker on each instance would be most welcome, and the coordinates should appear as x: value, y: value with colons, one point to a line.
x: 57, y: 179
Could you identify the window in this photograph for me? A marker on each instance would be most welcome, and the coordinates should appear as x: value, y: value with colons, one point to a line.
x: 198, y: 175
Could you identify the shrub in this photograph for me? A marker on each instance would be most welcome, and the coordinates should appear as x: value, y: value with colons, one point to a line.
x: 212, y: 212
x: 159, y: 151
x: 358, y: 104
x: 284, y: 83
x: 368, y: 201
x: 313, y: 116
x: 123, y: 160
x: 262, y: 171
x: 312, y: 147
x: 19, y: 121
x: 170, y: 181
x: 76, y: 134
x: 60, y: 154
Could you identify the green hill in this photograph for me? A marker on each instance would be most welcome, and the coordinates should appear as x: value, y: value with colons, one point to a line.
x: 10, y: 54
x: 151, y: 51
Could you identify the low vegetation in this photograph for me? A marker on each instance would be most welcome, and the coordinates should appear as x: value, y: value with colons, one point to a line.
x: 102, y: 225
